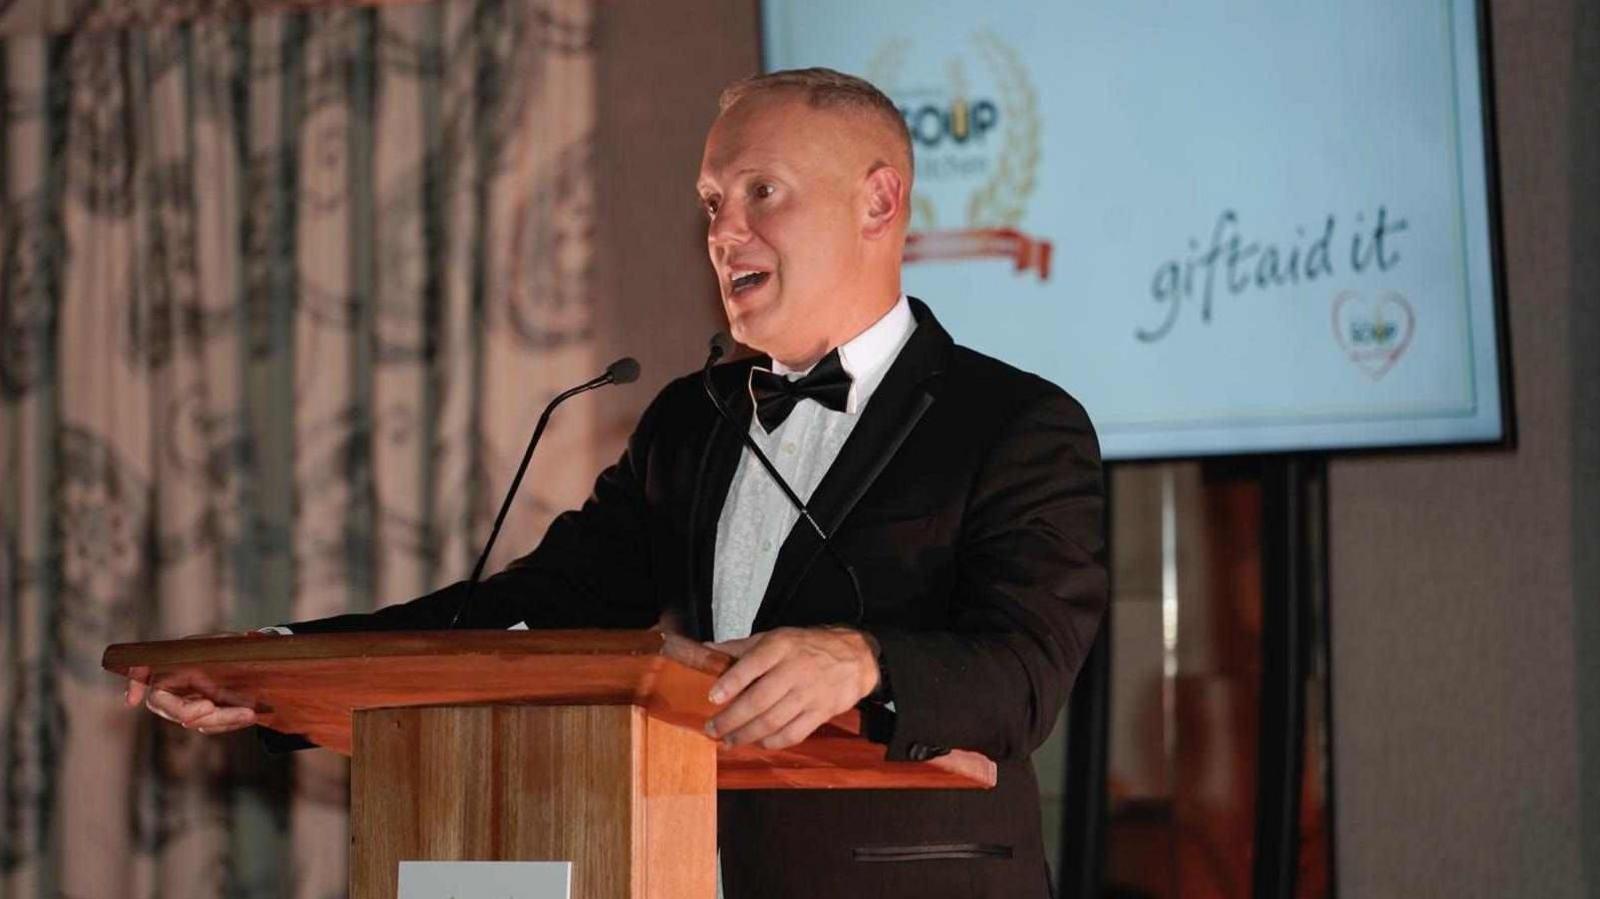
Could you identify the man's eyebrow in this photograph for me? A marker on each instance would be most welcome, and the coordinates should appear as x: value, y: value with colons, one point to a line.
x: 776, y: 168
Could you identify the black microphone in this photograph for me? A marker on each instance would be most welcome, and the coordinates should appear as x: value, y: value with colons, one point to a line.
x: 622, y: 371
x: 721, y: 345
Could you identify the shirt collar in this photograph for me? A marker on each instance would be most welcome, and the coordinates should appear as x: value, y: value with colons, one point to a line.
x: 868, y: 355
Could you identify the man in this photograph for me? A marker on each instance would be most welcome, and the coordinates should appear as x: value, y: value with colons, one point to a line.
x: 964, y: 494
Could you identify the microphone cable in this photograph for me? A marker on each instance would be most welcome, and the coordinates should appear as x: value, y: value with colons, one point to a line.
x: 721, y: 345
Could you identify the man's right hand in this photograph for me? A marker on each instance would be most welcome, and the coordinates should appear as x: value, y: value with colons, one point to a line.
x: 198, y: 714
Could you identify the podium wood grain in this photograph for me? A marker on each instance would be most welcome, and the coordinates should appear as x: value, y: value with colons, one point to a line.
x: 628, y: 799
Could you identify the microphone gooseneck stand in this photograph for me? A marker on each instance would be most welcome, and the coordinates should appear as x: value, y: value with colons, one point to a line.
x: 622, y: 371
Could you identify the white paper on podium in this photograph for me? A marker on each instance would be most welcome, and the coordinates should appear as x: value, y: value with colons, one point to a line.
x: 485, y: 880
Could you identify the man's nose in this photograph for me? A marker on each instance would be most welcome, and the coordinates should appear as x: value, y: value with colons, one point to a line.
x: 729, y: 226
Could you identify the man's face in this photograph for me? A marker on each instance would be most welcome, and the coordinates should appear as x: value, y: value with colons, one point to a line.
x: 781, y: 183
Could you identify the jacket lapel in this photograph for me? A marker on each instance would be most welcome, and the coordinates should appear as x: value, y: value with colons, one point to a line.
x: 900, y: 401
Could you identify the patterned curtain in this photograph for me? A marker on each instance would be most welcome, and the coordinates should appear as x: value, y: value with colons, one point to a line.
x: 280, y: 297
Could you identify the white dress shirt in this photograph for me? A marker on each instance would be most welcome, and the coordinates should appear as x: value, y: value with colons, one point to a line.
x: 757, y: 517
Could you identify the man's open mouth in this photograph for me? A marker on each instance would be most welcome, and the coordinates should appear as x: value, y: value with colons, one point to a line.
x: 744, y: 280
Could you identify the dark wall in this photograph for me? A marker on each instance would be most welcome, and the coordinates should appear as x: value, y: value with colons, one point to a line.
x: 1583, y: 347
x: 661, y: 66
x: 1465, y: 607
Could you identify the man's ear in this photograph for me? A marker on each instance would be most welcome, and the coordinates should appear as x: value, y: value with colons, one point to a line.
x: 885, y: 191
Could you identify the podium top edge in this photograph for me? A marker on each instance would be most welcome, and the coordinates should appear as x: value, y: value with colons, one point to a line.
x: 120, y: 657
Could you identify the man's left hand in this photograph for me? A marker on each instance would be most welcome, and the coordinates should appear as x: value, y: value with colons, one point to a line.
x: 788, y: 681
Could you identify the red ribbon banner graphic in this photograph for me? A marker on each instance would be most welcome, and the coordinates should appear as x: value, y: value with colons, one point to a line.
x: 982, y: 243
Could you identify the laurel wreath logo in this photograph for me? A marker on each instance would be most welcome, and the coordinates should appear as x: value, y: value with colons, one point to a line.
x: 1001, y: 200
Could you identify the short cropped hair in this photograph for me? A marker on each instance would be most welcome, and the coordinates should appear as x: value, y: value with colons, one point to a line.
x: 827, y: 89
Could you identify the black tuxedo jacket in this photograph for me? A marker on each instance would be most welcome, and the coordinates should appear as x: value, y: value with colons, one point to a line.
x: 969, y: 500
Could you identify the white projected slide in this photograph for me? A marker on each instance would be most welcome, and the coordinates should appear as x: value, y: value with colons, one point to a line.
x: 1224, y: 226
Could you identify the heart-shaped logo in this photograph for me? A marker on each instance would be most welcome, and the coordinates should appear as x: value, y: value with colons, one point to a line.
x: 1374, y: 333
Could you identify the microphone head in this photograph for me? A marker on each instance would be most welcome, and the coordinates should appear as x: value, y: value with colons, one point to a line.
x: 624, y: 370
x: 721, y: 344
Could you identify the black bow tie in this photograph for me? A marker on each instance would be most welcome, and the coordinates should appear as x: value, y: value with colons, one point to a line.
x: 775, y: 395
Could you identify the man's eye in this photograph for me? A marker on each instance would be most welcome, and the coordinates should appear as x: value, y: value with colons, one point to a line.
x: 710, y: 206
x: 762, y: 191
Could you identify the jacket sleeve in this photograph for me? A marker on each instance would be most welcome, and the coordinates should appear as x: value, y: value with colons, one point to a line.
x: 592, y: 569
x: 1031, y: 587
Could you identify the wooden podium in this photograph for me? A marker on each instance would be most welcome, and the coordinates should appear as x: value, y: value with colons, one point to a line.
x: 580, y: 746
